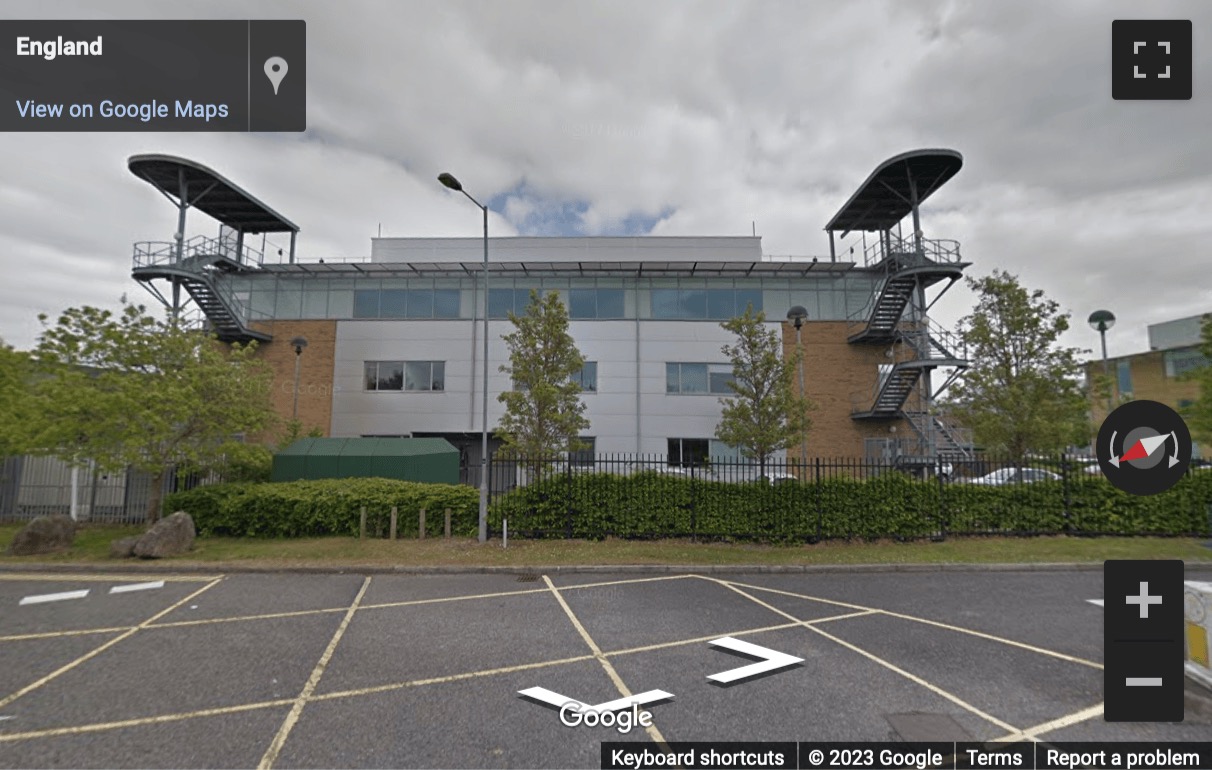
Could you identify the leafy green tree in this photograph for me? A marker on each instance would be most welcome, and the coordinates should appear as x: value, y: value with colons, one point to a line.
x: 765, y: 415
x: 15, y: 400
x: 1199, y: 414
x: 1023, y: 392
x: 129, y: 390
x: 543, y: 413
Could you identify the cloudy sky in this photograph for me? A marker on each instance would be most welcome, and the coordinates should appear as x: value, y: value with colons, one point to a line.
x: 671, y: 118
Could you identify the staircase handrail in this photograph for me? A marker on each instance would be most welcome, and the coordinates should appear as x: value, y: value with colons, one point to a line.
x: 939, y: 250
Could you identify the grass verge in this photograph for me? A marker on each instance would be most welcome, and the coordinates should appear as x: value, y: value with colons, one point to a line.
x: 92, y: 546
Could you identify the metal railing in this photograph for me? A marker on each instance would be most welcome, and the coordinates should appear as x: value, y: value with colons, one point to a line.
x: 902, y: 496
x: 195, y: 250
x: 32, y: 486
x: 905, y: 250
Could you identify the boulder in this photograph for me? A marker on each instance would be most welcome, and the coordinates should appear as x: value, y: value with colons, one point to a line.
x: 123, y: 549
x: 170, y: 536
x: 44, y: 535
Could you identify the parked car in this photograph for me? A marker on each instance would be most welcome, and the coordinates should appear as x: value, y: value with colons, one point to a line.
x: 1014, y: 476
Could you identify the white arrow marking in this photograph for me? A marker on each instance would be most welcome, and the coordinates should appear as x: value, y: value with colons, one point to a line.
x: 1099, y: 602
x: 43, y: 598
x: 136, y: 587
x: 553, y: 698
x: 1114, y: 457
x: 771, y: 660
x: 4, y: 718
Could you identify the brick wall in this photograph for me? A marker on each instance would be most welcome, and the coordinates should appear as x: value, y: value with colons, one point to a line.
x: 1149, y: 382
x: 315, y: 372
x: 833, y: 371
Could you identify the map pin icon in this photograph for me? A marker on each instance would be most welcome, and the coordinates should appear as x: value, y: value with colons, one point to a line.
x: 275, y: 70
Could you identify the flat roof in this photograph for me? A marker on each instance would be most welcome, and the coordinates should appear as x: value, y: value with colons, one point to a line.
x: 884, y: 199
x: 588, y: 269
x: 209, y: 192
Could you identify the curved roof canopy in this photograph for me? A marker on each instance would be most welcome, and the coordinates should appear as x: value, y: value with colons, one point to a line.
x: 887, y: 196
x: 209, y: 192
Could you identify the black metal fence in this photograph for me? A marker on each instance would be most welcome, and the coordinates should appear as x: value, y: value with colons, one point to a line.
x: 646, y: 496
x: 32, y: 486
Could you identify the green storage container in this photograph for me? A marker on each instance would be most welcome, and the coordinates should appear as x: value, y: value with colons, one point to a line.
x: 432, y: 460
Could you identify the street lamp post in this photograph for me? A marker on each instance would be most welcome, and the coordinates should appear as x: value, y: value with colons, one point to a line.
x: 1101, y: 321
x: 298, y: 343
x: 797, y: 315
x: 449, y: 181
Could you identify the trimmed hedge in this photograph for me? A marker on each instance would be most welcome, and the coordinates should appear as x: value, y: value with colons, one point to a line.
x: 653, y: 505
x: 326, y: 507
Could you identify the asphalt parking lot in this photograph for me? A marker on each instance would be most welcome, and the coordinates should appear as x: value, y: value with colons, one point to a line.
x: 345, y: 670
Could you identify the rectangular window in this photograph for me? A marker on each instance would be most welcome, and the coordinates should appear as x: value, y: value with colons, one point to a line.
x: 688, y: 452
x: 1123, y: 371
x: 718, y: 379
x: 664, y: 303
x: 393, y: 303
x: 384, y: 375
x: 366, y: 303
x: 1179, y: 362
x: 610, y: 303
x: 502, y: 302
x: 420, y: 303
x: 405, y: 375
x: 584, y: 457
x: 698, y: 378
x: 582, y: 303
x: 745, y: 298
x: 694, y: 378
x: 446, y: 303
x: 699, y: 304
x: 587, y: 377
x: 594, y: 303
x: 425, y: 375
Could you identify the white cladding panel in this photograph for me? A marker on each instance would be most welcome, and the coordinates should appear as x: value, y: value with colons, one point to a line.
x: 612, y: 409
x: 598, y: 249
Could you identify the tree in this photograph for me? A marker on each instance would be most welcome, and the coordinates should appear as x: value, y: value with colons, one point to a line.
x: 15, y: 400
x: 765, y: 414
x: 1023, y: 392
x: 128, y: 390
x: 544, y: 412
x: 1199, y: 414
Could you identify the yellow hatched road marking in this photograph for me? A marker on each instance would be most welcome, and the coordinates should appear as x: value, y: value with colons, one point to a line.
x: 1033, y: 733
x: 98, y: 650
x: 651, y: 729
x: 886, y: 664
x: 935, y: 623
x: 271, y: 754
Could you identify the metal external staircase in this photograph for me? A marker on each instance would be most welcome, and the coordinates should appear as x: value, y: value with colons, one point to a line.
x: 195, y: 268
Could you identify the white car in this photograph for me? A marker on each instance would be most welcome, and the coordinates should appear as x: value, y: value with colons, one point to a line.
x: 1015, y: 476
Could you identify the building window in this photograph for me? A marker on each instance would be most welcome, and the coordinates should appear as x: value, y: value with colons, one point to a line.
x: 595, y: 303
x: 406, y: 303
x: 405, y: 375
x: 502, y: 302
x: 685, y: 378
x: 688, y: 452
x: 1180, y: 362
x: 384, y: 375
x: 584, y: 457
x: 425, y: 375
x: 1123, y: 371
x: 587, y: 377
x: 699, y: 304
